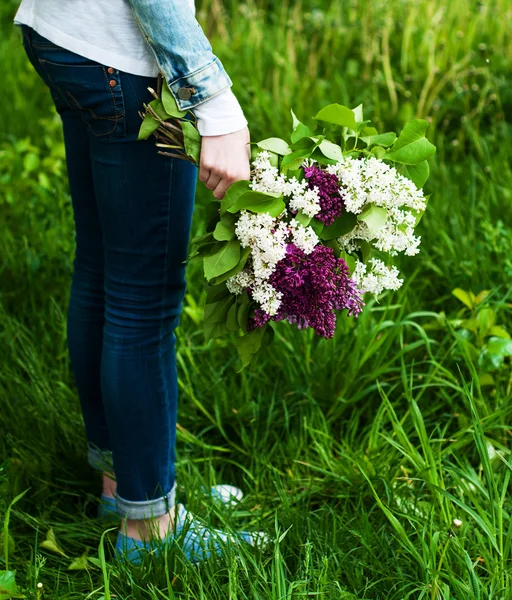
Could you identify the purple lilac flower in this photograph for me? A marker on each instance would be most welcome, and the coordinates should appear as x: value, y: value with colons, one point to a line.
x: 313, y: 287
x: 331, y: 202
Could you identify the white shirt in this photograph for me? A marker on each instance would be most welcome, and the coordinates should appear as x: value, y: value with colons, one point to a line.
x: 106, y: 31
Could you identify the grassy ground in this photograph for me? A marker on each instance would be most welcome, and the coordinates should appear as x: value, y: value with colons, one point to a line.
x: 356, y: 454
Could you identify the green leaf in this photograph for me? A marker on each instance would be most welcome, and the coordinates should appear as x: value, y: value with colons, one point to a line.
x: 232, y: 320
x: 295, y: 159
x: 494, y: 354
x: 337, y: 115
x: 498, y: 331
x: 212, y: 215
x: 369, y: 132
x: 95, y: 562
x: 8, y: 586
x: 303, y: 219
x: 148, y: 127
x: 375, y: 218
x: 201, y: 239
x: 214, y: 293
x: 317, y: 226
x: 499, y: 346
x: 216, y: 312
x: 249, y: 344
x: 259, y: 202
x: 412, y: 147
x: 158, y: 107
x: 486, y: 379
x: 418, y: 174
x: 233, y: 193
x: 192, y: 140
x: 378, y: 152
x: 343, y: 224
x: 350, y: 260
x: 276, y: 145
x: 382, y: 139
x: 365, y: 250
x: 295, y: 121
x: 321, y: 159
x: 330, y: 150
x: 214, y: 330
x: 79, y: 564
x: 243, y: 311
x: 50, y: 543
x: 241, y: 264
x: 31, y: 162
x: 215, y: 315
x: 169, y: 103
x: 223, y: 260
x: 358, y: 113
x: 225, y: 228
x: 463, y: 296
x: 301, y: 131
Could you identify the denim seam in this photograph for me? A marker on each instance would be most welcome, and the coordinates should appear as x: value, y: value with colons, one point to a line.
x: 115, y: 118
x: 196, y: 72
x: 166, y: 264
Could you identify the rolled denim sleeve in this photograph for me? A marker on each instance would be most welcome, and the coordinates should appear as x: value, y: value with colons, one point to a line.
x: 183, y: 52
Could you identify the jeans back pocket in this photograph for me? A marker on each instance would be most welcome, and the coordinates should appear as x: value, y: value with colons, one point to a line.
x: 87, y: 86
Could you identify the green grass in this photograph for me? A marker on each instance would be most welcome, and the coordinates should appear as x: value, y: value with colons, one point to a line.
x: 355, y: 454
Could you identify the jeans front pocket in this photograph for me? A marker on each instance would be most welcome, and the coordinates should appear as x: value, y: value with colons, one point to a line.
x: 89, y: 87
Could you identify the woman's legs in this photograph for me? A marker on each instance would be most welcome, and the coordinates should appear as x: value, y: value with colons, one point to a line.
x: 145, y: 203
x: 133, y: 211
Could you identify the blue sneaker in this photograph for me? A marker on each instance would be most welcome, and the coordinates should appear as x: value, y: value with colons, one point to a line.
x: 227, y: 495
x: 197, y: 541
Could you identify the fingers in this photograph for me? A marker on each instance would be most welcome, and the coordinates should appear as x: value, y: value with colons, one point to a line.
x: 204, y: 173
x: 224, y: 160
x: 220, y: 191
x: 213, y: 180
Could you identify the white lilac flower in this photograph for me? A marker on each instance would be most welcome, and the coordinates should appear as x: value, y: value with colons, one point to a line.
x: 241, y: 281
x: 265, y: 237
x: 308, y: 201
x: 267, y: 296
x: 304, y: 238
x: 397, y: 235
x: 267, y: 179
x: 375, y: 277
x: 372, y: 181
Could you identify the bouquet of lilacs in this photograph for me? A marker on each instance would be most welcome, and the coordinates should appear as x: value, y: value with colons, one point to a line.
x: 315, y: 229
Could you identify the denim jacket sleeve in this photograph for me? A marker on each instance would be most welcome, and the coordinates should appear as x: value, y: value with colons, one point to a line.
x: 183, y: 52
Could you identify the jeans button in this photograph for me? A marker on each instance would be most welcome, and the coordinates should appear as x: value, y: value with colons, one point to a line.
x: 110, y: 70
x: 112, y: 83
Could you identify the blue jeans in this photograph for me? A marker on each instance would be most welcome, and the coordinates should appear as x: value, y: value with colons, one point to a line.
x: 133, y: 211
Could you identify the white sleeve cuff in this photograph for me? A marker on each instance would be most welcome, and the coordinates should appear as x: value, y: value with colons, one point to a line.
x: 220, y: 115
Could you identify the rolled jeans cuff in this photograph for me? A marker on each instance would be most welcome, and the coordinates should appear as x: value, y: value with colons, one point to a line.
x: 99, y: 459
x: 147, y: 508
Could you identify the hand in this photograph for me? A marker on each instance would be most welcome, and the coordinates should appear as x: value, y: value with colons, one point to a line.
x: 224, y: 160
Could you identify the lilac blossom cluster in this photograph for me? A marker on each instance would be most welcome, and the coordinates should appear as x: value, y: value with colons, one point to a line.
x: 290, y: 274
x: 327, y: 187
x: 312, y: 287
x: 352, y: 185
